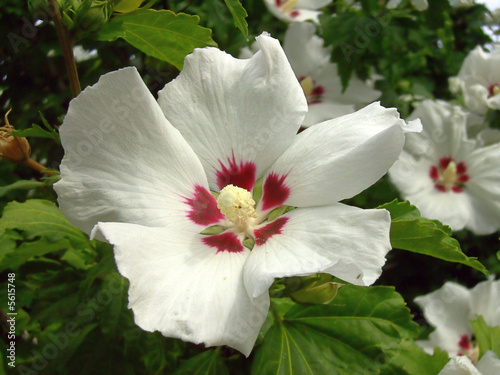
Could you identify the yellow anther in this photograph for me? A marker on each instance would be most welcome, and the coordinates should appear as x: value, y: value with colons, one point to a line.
x: 237, y: 205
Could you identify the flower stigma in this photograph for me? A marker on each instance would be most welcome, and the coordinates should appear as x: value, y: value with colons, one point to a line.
x: 287, y: 5
x: 238, y: 206
x: 449, y: 175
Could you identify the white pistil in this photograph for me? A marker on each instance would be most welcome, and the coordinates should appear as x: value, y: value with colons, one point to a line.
x: 307, y: 85
x: 449, y: 175
x: 495, y: 90
x: 288, y: 6
x: 237, y: 205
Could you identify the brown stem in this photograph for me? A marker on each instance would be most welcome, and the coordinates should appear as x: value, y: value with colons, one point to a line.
x: 67, y: 47
x: 38, y: 167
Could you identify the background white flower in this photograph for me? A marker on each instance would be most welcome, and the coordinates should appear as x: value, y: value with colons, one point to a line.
x: 142, y: 171
x: 319, y: 78
x: 448, y: 176
x: 479, y: 80
x: 296, y: 10
x: 489, y: 364
x: 450, y: 308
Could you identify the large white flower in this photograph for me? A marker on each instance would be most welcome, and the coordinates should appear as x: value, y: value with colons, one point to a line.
x: 479, y: 80
x: 296, y: 10
x: 489, y: 364
x: 143, y: 171
x: 448, y: 176
x: 450, y: 309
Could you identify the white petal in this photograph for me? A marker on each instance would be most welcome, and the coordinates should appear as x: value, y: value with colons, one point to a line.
x: 185, y: 289
x: 225, y: 107
x: 347, y: 242
x: 410, y: 174
x: 123, y: 160
x: 302, y: 11
x: 459, y: 366
x: 444, y: 130
x: 339, y: 158
x: 448, y: 309
x: 489, y: 364
x: 312, y: 4
x: 304, y: 49
x: 485, y: 301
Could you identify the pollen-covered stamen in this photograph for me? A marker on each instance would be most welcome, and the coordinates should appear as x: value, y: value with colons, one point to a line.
x: 286, y: 5
x: 238, y: 206
x: 449, y: 175
x: 313, y: 93
x: 494, y: 89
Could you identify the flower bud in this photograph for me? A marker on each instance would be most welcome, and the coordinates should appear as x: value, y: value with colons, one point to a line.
x: 12, y: 148
x: 318, y: 289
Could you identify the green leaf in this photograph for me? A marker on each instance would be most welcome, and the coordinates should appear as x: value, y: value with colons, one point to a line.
x: 207, y: 363
x: 38, y: 132
x: 20, y: 185
x: 411, y: 359
x: 39, y: 217
x: 115, y: 299
x: 239, y: 14
x: 488, y: 338
x: 413, y: 233
x: 31, y: 250
x: 353, y: 335
x: 159, y: 33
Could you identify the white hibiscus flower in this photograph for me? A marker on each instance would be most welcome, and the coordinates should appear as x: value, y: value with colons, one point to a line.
x: 479, y: 80
x: 489, y: 364
x: 448, y: 176
x: 450, y: 309
x: 296, y: 10
x: 140, y: 173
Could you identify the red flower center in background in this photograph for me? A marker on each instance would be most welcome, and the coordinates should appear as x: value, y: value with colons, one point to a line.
x: 449, y: 175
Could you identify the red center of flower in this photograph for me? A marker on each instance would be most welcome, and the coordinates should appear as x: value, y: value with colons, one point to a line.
x: 233, y: 215
x: 493, y: 89
x: 267, y: 231
x: 204, y: 209
x: 314, y: 93
x: 227, y: 241
x: 242, y: 174
x: 449, y: 175
x: 275, y: 192
x: 464, y: 344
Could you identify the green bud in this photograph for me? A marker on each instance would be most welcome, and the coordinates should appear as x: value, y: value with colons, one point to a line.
x: 319, y: 288
x: 92, y: 19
